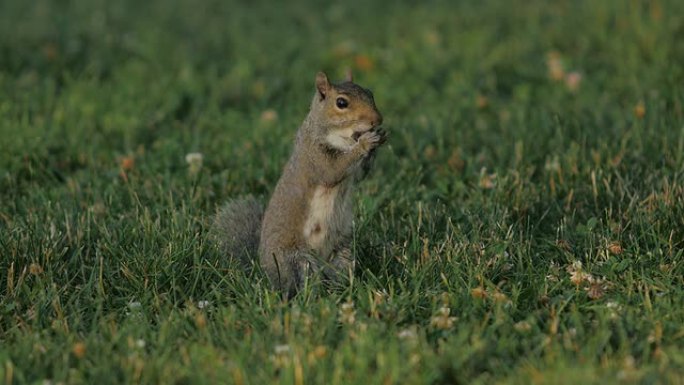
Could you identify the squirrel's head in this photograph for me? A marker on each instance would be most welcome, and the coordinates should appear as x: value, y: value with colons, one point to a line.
x: 344, y: 110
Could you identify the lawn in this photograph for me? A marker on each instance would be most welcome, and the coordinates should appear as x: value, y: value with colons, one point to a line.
x: 524, y: 223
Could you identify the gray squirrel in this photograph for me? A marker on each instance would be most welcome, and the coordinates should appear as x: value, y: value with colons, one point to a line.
x: 306, y: 228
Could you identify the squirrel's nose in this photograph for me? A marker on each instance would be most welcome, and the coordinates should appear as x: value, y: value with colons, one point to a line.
x: 377, y: 120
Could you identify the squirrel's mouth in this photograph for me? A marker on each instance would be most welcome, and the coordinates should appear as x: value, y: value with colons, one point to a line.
x: 357, y: 134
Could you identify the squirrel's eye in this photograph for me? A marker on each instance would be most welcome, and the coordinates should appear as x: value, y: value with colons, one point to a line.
x: 342, y: 103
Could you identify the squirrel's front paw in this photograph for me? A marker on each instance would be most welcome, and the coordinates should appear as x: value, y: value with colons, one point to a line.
x: 372, y: 139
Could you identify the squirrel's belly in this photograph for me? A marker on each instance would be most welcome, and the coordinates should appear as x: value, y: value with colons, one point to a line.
x: 328, y: 218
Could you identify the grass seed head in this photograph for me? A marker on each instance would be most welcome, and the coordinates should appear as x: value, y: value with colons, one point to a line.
x: 35, y: 269
x: 269, y: 116
x: 479, y: 293
x: 554, y: 66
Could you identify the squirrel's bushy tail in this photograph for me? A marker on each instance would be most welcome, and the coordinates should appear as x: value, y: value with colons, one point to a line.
x: 236, y: 228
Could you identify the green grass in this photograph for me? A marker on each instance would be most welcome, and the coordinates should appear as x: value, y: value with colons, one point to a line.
x: 495, y: 180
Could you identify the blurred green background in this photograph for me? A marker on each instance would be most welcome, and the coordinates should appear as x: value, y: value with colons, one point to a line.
x: 524, y: 224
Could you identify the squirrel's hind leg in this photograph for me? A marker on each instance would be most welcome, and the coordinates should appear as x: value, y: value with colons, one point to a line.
x: 340, y: 268
x: 290, y: 272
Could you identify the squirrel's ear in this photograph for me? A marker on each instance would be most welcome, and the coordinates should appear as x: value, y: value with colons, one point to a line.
x: 322, y: 84
x: 348, y: 75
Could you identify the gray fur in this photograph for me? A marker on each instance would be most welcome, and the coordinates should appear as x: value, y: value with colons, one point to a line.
x: 284, y: 252
x: 307, y: 227
x: 236, y: 228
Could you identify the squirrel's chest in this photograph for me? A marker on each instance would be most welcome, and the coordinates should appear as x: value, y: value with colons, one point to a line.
x: 329, y: 217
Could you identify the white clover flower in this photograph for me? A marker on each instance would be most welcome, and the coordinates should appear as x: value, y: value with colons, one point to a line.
x: 442, y: 320
x: 522, y: 326
x: 347, y: 314
x: 552, y: 165
x: 407, y: 334
x: 194, y: 161
x: 577, y: 275
x: 134, y: 309
x: 194, y: 157
x: 281, y: 356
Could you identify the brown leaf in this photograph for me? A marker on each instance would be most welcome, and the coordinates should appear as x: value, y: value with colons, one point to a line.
x: 364, y: 63
x: 640, y: 110
x: 79, y: 349
x: 615, y: 248
x: 127, y: 163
